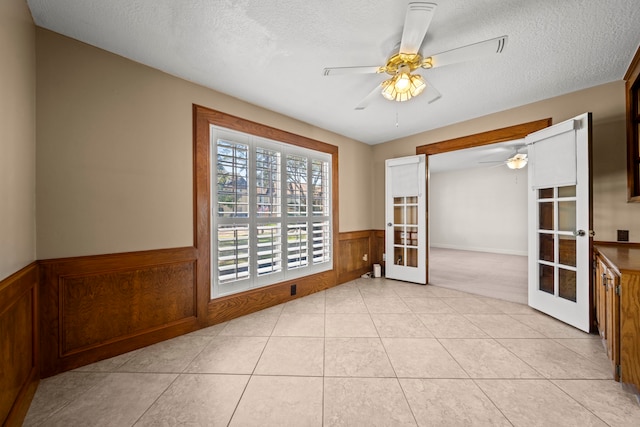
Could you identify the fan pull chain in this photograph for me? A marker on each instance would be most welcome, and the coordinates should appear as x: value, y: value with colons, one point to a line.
x: 396, y: 118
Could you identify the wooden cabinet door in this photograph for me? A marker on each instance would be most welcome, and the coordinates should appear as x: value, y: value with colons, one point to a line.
x: 612, y: 319
x: 600, y: 296
x: 629, y: 332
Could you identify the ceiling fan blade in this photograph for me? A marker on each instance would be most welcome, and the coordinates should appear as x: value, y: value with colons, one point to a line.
x: 416, y: 24
x: 372, y: 95
x: 430, y: 93
x: 469, y: 52
x: 336, y: 71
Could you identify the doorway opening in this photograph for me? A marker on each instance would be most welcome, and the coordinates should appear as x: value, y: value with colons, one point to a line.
x: 452, y: 267
x: 478, y: 221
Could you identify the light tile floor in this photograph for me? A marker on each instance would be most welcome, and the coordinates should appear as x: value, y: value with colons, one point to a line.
x: 371, y: 352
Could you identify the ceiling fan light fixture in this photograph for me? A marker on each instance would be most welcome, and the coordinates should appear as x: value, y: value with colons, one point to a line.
x: 517, y: 162
x: 403, y: 86
x: 402, y: 82
x: 388, y: 90
x: 417, y: 85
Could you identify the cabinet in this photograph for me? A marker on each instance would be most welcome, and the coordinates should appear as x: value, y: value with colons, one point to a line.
x: 607, y: 302
x: 617, y: 307
x: 632, y: 88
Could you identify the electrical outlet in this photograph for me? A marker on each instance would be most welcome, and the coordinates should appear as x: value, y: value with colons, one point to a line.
x: 365, y: 257
x: 623, y: 235
x: 293, y: 290
x: 384, y: 257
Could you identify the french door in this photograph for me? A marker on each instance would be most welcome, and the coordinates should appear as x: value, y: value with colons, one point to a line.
x: 405, y: 202
x: 560, y: 237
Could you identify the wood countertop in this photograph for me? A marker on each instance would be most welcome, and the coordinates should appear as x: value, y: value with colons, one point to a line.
x: 624, y: 257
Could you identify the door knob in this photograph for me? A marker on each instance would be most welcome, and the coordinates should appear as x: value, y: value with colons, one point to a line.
x: 579, y: 233
x: 389, y: 224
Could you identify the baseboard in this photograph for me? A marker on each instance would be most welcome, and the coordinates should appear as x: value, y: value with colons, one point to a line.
x: 476, y: 249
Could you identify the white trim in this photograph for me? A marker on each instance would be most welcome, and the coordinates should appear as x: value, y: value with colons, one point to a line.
x: 477, y: 249
x: 551, y: 131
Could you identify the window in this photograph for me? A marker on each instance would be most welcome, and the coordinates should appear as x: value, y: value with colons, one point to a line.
x: 632, y: 79
x: 271, y: 211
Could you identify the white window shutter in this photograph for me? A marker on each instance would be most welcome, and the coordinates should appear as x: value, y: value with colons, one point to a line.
x: 558, y: 151
x: 405, y: 176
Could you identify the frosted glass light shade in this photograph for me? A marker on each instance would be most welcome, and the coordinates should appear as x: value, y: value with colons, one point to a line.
x: 403, y: 87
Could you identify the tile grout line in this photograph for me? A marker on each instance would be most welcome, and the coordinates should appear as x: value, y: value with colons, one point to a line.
x: 252, y: 374
x: 576, y: 400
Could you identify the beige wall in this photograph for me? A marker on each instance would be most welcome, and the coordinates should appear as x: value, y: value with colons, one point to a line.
x: 606, y: 102
x: 114, y: 154
x: 610, y: 212
x: 17, y: 137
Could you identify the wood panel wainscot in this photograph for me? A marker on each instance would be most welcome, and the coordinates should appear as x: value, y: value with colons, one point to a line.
x: 378, y: 247
x: 243, y: 303
x: 19, y: 354
x: 617, y: 305
x: 355, y: 256
x: 96, y: 307
x: 101, y: 306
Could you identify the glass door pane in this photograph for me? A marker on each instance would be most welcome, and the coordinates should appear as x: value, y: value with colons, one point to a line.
x: 567, y: 250
x: 546, y: 247
x: 412, y: 215
x: 546, y: 216
x: 405, y: 231
x: 398, y: 214
x: 567, y: 281
x: 412, y: 257
x: 557, y: 242
x: 546, y: 279
x: 567, y: 216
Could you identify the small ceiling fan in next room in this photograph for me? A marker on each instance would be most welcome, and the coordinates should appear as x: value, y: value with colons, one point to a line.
x: 404, y: 81
x: 517, y: 160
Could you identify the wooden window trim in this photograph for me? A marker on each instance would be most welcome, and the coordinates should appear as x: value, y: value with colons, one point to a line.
x: 632, y: 90
x: 202, y: 119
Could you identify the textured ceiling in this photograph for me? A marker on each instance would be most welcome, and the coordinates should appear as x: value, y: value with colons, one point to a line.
x: 272, y: 53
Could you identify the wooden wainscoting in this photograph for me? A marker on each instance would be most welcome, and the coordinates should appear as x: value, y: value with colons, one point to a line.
x: 18, y: 344
x: 378, y: 247
x: 352, y: 246
x: 95, y: 307
x: 232, y: 306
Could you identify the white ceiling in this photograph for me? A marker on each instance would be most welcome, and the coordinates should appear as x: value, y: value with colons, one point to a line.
x: 272, y: 53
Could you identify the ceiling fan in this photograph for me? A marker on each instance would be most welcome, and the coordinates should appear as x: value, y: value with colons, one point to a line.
x: 403, y: 85
x: 517, y: 160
